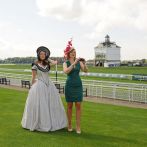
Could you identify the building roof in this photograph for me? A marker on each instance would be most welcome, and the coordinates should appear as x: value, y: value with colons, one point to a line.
x: 108, y: 43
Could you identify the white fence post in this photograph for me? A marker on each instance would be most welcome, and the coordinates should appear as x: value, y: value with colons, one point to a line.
x: 101, y: 90
x: 129, y: 94
x: 114, y: 91
x: 145, y: 96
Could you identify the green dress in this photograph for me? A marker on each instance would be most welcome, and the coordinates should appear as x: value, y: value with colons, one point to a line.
x: 73, y: 86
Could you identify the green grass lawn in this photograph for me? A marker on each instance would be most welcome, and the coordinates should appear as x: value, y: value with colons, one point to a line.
x: 102, y: 126
x: 117, y: 70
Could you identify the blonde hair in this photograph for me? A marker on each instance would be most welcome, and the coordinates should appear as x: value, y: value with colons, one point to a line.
x: 68, y: 54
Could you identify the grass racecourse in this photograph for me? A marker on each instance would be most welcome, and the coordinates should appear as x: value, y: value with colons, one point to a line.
x: 102, y: 126
x: 119, y: 70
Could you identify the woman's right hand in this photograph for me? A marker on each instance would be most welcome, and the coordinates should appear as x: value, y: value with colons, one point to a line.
x: 76, y: 61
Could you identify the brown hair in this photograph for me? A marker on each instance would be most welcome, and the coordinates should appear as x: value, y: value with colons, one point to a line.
x: 44, y: 62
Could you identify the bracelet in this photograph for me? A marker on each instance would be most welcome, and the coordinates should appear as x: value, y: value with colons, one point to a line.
x: 72, y: 65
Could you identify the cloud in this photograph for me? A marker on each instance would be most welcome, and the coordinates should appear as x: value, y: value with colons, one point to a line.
x: 11, y: 42
x: 14, y: 48
x: 9, y: 45
x: 64, y: 10
x: 10, y: 27
x: 101, y: 15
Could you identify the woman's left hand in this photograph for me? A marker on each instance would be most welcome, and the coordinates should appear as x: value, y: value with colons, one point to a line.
x: 55, y: 62
x: 84, y: 62
x: 83, y: 66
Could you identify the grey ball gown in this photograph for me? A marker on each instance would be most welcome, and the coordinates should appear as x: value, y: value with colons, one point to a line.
x: 44, y: 110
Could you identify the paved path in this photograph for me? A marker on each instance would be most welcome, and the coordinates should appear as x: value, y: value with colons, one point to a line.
x: 116, y: 102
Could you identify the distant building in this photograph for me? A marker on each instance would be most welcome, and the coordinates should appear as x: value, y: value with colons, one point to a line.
x: 107, y: 53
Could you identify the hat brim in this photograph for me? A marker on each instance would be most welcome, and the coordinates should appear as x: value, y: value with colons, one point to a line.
x: 44, y: 49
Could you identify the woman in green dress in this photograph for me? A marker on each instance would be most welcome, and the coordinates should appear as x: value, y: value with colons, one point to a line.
x: 73, y: 87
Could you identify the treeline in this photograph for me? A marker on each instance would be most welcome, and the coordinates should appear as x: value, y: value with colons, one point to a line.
x: 26, y: 60
x: 18, y: 60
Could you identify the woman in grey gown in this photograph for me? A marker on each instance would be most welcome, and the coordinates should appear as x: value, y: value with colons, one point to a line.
x: 44, y: 110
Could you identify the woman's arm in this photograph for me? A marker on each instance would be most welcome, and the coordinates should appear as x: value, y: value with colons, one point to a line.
x: 34, y: 72
x: 52, y: 62
x: 84, y: 68
x: 68, y: 69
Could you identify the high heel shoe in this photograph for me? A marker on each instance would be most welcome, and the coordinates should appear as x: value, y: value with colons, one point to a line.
x: 78, y: 131
x: 70, y: 129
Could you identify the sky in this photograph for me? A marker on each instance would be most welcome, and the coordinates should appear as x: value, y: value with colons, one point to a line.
x: 28, y: 24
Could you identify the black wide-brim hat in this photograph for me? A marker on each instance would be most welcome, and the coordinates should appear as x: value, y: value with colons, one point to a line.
x: 44, y: 49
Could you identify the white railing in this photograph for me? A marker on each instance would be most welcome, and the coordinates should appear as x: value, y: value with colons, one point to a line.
x: 115, y: 90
